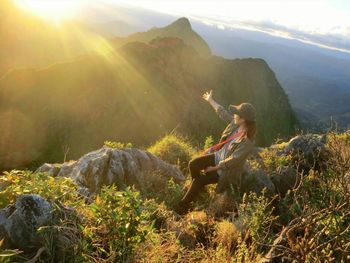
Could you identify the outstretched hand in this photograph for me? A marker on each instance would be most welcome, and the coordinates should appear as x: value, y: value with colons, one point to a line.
x: 208, y: 95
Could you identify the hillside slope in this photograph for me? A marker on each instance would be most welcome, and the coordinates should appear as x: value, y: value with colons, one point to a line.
x: 139, y: 93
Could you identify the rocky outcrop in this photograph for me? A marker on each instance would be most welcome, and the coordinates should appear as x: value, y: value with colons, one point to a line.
x: 284, y: 179
x: 255, y: 181
x: 128, y: 166
x: 308, y: 151
x: 19, y: 222
x: 131, y: 166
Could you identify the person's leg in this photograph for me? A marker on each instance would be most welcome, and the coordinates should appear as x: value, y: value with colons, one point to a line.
x: 199, y: 181
x: 200, y: 163
x: 197, y: 186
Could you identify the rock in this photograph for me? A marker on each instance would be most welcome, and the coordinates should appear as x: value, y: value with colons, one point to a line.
x: 105, y: 166
x: 255, y: 180
x: 284, y: 179
x: 51, y: 169
x: 19, y: 222
x: 57, y: 169
x: 252, y: 180
x: 66, y: 168
x: 310, y: 149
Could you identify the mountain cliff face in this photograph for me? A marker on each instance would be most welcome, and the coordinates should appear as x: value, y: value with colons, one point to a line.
x: 180, y: 28
x: 137, y: 94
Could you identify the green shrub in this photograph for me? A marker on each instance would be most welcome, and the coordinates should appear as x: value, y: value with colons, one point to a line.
x: 162, y: 190
x: 61, y: 239
x: 272, y: 161
x: 17, y: 182
x: 115, y: 225
x: 209, y: 141
x: 173, y: 149
x: 256, y: 215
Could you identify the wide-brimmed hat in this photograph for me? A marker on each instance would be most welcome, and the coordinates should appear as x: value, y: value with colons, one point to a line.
x: 245, y: 110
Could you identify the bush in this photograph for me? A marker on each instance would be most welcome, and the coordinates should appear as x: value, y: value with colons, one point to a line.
x: 162, y: 190
x: 61, y: 239
x: 256, y: 214
x: 272, y: 161
x: 17, y: 182
x: 115, y: 225
x: 173, y: 149
x: 118, y: 145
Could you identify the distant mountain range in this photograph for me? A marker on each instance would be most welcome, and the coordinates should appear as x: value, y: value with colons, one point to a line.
x: 316, y: 79
x: 138, y: 93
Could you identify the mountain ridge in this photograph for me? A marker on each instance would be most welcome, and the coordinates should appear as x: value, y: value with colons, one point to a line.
x: 180, y: 28
x: 150, y: 87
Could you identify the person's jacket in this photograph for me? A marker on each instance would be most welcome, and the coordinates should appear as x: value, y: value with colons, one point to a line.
x: 232, y: 166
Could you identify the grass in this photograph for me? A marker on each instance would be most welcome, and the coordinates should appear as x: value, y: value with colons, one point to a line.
x: 174, y: 149
x: 309, y: 224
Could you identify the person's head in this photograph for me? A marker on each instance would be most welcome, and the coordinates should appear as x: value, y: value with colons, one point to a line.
x: 244, y: 115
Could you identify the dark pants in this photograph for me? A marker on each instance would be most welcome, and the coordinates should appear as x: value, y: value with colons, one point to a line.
x: 199, y: 180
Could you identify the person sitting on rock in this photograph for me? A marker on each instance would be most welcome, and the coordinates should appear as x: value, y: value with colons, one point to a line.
x: 223, y: 163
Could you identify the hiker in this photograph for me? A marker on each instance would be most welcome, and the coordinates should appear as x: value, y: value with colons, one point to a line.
x: 223, y: 163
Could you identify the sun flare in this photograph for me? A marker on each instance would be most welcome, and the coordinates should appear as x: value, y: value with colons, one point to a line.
x: 52, y: 10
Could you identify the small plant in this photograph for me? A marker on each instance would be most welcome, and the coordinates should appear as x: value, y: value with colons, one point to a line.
x: 118, y: 145
x: 209, y: 141
x: 227, y: 234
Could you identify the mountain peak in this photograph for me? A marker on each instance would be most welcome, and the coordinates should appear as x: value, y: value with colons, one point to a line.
x: 181, y: 23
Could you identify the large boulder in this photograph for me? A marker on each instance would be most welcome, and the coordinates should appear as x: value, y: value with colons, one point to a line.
x: 19, y: 222
x: 105, y: 166
x: 308, y: 151
x: 284, y: 179
x: 256, y: 180
x: 252, y: 180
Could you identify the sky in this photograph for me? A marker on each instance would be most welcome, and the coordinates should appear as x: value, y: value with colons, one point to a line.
x: 322, y: 22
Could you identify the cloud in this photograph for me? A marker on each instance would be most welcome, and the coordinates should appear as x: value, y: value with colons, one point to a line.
x: 336, y: 41
x: 320, y: 22
x: 329, y: 40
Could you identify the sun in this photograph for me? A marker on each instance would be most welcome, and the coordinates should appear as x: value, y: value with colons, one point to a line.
x: 52, y: 10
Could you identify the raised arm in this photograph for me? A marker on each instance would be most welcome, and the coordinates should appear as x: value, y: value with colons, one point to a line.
x: 220, y: 110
